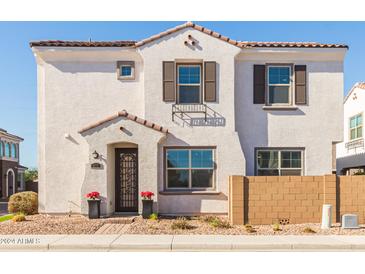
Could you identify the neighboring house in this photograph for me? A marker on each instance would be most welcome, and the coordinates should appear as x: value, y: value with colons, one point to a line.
x: 179, y: 112
x: 12, y: 173
x: 351, y: 152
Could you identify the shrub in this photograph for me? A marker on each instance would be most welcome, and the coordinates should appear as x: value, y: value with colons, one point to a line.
x: 154, y: 217
x: 276, y: 227
x: 25, y: 202
x: 308, y: 230
x: 249, y: 228
x: 181, y: 223
x: 20, y: 217
x: 219, y: 223
x: 208, y: 218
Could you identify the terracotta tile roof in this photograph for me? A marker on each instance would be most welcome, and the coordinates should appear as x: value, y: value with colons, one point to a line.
x: 187, y: 25
x: 361, y: 85
x: 129, y: 116
x: 245, y: 44
x: 59, y: 43
x: 289, y: 45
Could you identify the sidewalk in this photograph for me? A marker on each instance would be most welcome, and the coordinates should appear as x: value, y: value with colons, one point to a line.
x: 179, y: 243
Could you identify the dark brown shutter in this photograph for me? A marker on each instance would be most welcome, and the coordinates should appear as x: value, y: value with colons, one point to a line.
x: 259, y: 84
x: 300, y: 85
x: 210, y: 83
x: 168, y: 72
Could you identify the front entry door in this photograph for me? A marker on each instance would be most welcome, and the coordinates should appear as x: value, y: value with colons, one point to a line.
x: 126, y: 180
x: 10, y: 183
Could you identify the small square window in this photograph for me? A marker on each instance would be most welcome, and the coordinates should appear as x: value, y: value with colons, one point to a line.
x: 125, y: 70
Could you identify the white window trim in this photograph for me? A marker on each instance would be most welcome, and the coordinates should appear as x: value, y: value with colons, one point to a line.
x: 362, y: 128
x: 7, y: 181
x: 193, y: 85
x: 126, y: 63
x: 290, y: 85
x: 279, y: 168
x: 190, y: 187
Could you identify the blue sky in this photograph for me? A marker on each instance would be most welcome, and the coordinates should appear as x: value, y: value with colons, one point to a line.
x: 18, y: 111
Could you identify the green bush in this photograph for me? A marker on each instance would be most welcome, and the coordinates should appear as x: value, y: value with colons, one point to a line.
x: 20, y: 217
x: 154, y: 217
x: 276, y: 227
x: 181, y: 223
x: 25, y: 202
x: 218, y: 223
x: 308, y: 230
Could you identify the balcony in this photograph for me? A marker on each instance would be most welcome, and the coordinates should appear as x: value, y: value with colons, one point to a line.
x: 355, y: 143
x: 182, y: 109
x: 197, y: 115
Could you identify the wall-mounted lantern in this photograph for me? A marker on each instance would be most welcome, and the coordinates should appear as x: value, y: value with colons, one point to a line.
x: 95, y: 155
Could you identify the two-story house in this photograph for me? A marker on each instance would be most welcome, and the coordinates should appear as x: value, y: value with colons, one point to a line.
x: 351, y: 152
x: 11, y: 172
x: 179, y: 112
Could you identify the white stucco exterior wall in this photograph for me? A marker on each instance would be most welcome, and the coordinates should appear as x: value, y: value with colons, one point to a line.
x: 313, y: 126
x: 354, y: 104
x: 79, y: 86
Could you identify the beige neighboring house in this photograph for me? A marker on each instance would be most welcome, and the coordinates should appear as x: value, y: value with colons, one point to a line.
x: 179, y: 112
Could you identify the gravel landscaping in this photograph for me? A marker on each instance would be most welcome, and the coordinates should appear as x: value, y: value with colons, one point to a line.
x: 199, y: 226
x: 78, y: 224
x: 51, y: 224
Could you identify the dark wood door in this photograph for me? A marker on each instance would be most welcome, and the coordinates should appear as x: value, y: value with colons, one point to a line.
x: 10, y: 183
x: 126, y: 180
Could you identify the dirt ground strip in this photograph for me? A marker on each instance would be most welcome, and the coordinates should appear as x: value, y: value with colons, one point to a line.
x: 78, y: 224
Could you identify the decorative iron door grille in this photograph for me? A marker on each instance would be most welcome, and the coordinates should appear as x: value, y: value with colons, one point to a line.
x: 126, y: 180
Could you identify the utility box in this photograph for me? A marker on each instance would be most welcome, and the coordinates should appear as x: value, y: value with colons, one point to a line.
x: 349, y: 221
x: 326, y: 217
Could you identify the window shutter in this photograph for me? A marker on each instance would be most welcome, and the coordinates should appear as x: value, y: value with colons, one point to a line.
x: 210, y: 83
x: 168, y: 72
x: 300, y: 85
x: 259, y: 83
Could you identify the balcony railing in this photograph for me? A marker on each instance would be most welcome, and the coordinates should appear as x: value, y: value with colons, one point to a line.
x: 183, y: 109
x: 355, y: 143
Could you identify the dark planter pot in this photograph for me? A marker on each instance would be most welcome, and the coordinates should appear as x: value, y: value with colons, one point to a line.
x: 147, y: 208
x: 94, y: 209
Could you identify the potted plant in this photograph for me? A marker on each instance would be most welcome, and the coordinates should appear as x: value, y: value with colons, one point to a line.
x: 94, y: 204
x: 147, y: 203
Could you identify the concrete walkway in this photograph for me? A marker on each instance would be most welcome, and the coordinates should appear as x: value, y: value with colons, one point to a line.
x: 179, y: 243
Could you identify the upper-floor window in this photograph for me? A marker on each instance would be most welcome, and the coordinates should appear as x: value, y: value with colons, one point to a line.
x: 356, y: 127
x: 1, y: 149
x: 7, y: 150
x: 279, y: 85
x: 13, y: 151
x: 276, y: 162
x: 189, y: 83
x: 125, y: 70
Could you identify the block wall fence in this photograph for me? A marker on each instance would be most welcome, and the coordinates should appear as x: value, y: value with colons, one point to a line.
x: 294, y: 199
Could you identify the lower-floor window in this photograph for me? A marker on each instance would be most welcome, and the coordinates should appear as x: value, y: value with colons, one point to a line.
x: 279, y: 162
x: 189, y: 168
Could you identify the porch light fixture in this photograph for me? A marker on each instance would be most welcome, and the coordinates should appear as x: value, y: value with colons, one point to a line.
x: 95, y: 155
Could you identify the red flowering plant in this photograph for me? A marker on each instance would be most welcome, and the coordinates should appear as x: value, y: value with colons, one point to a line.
x: 93, y: 195
x: 147, y: 195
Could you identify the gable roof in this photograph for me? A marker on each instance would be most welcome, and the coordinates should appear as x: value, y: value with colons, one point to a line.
x: 129, y: 116
x: 244, y: 44
x: 360, y: 85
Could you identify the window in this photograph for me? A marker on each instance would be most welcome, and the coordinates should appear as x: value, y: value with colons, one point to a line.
x: 356, y: 127
x: 13, y: 151
x: 7, y: 150
x: 279, y: 85
x: 1, y: 149
x: 274, y: 162
x: 189, y: 168
x: 189, y: 84
x: 125, y: 70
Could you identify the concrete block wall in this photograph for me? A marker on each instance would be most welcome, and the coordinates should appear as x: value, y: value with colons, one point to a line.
x: 272, y: 199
